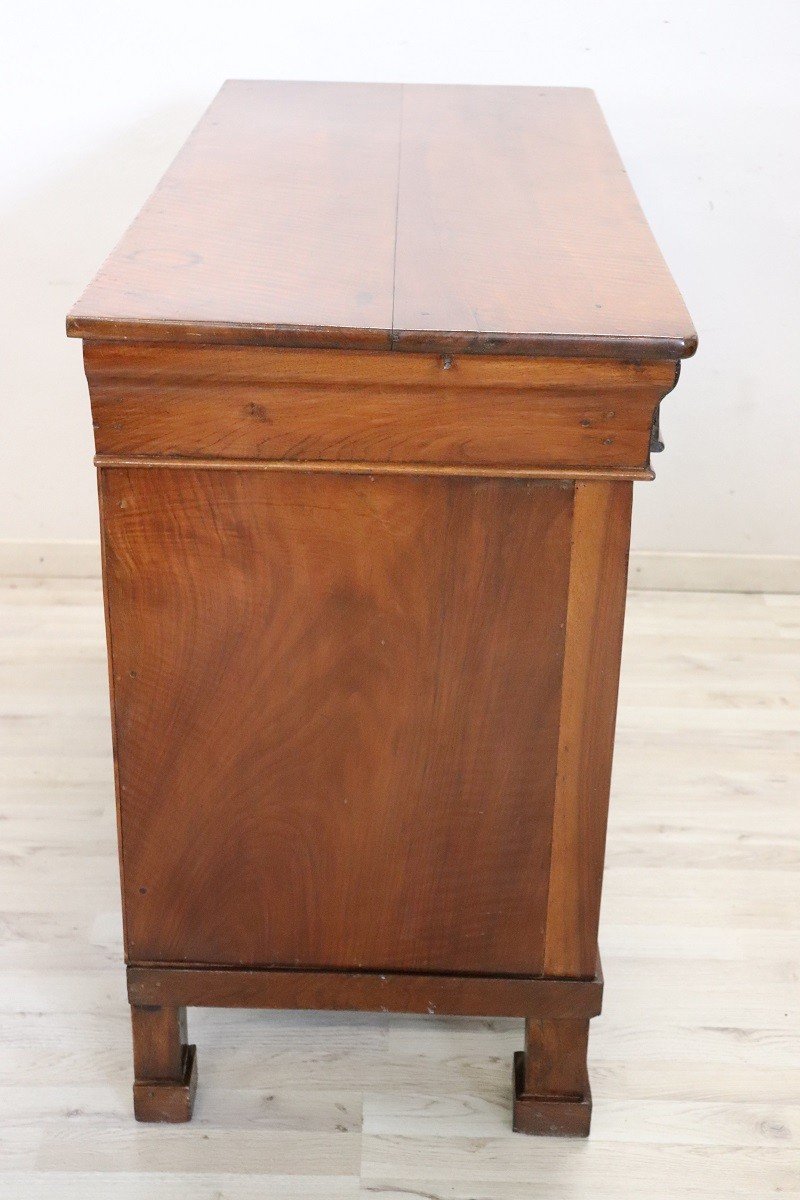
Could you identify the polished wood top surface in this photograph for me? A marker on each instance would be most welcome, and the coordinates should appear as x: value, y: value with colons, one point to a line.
x: 382, y: 216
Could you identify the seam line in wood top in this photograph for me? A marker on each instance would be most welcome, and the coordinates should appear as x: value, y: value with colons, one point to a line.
x: 379, y: 468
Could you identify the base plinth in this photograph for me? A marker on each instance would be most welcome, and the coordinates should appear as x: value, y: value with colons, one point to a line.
x: 167, y: 1099
x: 549, y: 1116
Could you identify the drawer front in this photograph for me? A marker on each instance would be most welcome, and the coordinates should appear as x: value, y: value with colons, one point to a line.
x: 293, y: 406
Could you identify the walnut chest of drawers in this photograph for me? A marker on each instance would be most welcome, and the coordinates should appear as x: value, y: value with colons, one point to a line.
x: 372, y: 375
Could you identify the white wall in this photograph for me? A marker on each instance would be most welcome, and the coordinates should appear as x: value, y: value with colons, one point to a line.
x: 702, y: 97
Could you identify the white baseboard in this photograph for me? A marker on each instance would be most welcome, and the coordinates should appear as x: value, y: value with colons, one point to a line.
x: 665, y: 570
x: 658, y: 570
x: 65, y: 560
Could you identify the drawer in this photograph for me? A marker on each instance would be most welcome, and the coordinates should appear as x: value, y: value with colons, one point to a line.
x: 374, y: 408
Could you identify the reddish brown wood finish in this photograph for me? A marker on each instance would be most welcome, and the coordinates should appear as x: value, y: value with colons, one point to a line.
x: 312, y: 406
x: 364, y: 608
x: 376, y: 991
x: 595, y: 613
x: 336, y: 701
x: 165, y: 1067
x: 518, y: 231
x: 275, y: 223
x: 485, y: 219
x: 551, y: 1083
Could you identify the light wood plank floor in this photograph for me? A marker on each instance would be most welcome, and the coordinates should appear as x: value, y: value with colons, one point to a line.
x: 695, y: 1061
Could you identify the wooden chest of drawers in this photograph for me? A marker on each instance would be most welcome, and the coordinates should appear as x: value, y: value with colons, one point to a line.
x: 372, y: 375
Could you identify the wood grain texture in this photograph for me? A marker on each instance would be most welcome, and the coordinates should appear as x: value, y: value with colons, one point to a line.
x: 443, y: 995
x: 275, y: 222
x: 552, y: 1096
x: 165, y: 1067
x: 555, y: 1058
x: 336, y: 705
x: 263, y: 404
x: 595, y: 614
x: 159, y: 1037
x: 518, y: 230
x: 167, y: 1101
x: 484, y: 219
x: 428, y: 471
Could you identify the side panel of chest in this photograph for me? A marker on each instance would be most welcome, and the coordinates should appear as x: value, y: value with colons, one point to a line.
x: 337, y: 703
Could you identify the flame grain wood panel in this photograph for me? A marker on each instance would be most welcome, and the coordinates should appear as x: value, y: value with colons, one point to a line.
x: 336, y: 703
